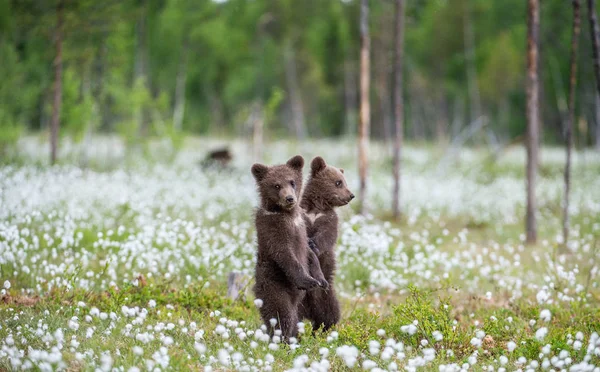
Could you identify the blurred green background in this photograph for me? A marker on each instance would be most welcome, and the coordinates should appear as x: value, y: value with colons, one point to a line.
x: 164, y: 68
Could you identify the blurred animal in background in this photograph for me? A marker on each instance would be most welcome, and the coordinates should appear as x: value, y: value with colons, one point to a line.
x: 217, y: 159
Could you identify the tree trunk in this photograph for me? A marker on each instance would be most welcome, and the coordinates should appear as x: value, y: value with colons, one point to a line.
x: 597, y: 121
x: 86, y: 94
x: 350, y: 96
x: 398, y: 104
x: 533, y: 24
x: 595, y: 30
x: 179, y: 109
x: 291, y: 76
x: 58, y: 65
x: 217, y: 112
x: 141, y: 66
x: 384, y: 131
x: 257, y: 120
x: 365, y: 114
x: 473, y: 88
x: 571, y: 118
x: 441, y: 119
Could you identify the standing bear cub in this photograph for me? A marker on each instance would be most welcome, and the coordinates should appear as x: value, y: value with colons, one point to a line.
x: 285, y: 265
x: 325, y: 190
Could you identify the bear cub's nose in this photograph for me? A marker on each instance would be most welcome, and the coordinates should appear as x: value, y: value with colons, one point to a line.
x: 351, y: 196
x: 290, y: 199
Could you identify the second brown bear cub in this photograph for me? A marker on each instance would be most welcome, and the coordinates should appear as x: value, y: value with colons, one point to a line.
x: 285, y: 265
x: 325, y: 190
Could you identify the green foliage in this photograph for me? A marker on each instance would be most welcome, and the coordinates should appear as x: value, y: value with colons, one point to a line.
x: 77, y: 115
x: 275, y: 99
x: 9, y: 135
x: 420, y: 311
x: 232, y: 55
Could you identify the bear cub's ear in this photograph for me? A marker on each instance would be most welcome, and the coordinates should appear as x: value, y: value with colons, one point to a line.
x: 297, y: 162
x: 259, y: 171
x: 342, y: 170
x: 317, y: 165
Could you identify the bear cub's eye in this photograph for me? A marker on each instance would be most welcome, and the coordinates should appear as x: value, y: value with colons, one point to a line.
x: 277, y: 187
x: 338, y: 183
x: 293, y: 184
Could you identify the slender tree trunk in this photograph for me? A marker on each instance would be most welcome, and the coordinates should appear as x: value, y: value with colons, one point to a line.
x: 141, y: 65
x: 457, y: 117
x: 350, y: 96
x: 87, y: 96
x: 398, y: 104
x: 595, y: 30
x: 383, y: 98
x: 104, y: 120
x: 179, y: 109
x: 441, y: 119
x: 597, y: 121
x: 291, y: 76
x: 571, y: 118
x: 365, y: 109
x: 473, y: 88
x: 217, y: 112
x: 533, y: 24
x: 58, y: 66
x: 257, y: 120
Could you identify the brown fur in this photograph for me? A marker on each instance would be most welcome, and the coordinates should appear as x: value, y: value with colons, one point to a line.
x: 285, y: 265
x: 325, y: 190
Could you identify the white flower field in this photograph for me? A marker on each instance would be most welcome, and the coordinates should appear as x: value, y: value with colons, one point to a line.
x: 123, y: 265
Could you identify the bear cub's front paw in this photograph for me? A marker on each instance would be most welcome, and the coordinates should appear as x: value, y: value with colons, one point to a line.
x: 313, y: 246
x: 308, y: 283
x: 323, y: 283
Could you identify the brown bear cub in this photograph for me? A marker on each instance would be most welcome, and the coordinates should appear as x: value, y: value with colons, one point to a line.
x: 325, y: 190
x: 285, y: 265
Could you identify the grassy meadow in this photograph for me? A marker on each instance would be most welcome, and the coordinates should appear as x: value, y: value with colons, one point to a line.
x: 118, y: 260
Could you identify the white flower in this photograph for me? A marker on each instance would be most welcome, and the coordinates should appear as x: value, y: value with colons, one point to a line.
x: 411, y: 329
x: 137, y: 350
x: 546, y: 349
x: 200, y: 348
x: 258, y: 303
x: 6, y: 284
x: 476, y: 342
x: 545, y: 315
x: 368, y: 365
x: 541, y: 333
x: 73, y: 323
x: 511, y: 346
x: 542, y: 296
x: 503, y: 360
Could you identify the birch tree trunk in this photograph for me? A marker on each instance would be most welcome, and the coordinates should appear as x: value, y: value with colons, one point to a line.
x: 571, y: 117
x: 296, y: 104
x: 533, y: 24
x: 350, y: 96
x: 179, y: 109
x: 365, y: 109
x: 398, y: 104
x: 58, y: 66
